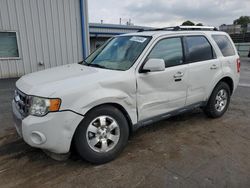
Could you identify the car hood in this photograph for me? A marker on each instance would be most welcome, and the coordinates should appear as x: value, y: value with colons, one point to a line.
x: 47, y: 82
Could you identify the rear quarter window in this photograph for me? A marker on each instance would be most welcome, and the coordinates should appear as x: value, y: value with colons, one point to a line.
x: 224, y: 44
x: 198, y: 49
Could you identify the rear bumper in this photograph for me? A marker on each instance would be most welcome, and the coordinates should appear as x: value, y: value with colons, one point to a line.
x: 53, y: 132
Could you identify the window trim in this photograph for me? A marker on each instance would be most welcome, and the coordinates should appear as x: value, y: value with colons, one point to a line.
x: 187, y: 53
x: 18, y: 46
x: 165, y: 38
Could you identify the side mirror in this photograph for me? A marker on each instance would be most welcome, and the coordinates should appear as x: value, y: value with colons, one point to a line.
x: 154, y: 65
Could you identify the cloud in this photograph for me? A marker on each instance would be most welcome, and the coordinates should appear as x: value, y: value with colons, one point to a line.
x: 160, y: 13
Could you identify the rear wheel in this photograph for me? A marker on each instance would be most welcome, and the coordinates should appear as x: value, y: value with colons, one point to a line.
x: 219, y: 101
x: 102, y: 135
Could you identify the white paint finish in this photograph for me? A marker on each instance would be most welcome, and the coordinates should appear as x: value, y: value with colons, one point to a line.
x: 202, y: 78
x: 142, y: 95
x: 59, y: 139
x: 48, y: 31
x: 159, y: 93
x: 79, y: 96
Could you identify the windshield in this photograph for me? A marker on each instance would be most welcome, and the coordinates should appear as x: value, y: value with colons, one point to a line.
x: 119, y: 53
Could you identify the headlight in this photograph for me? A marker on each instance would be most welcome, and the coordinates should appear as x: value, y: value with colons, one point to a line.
x: 41, y: 106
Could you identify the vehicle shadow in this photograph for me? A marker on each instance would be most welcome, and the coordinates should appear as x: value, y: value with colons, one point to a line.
x: 174, y: 122
x: 17, y: 149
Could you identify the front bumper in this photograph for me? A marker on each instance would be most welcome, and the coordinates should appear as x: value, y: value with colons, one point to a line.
x: 53, y: 132
x: 17, y: 117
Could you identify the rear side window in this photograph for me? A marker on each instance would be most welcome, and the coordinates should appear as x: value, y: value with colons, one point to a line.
x: 198, y: 49
x: 224, y: 44
x: 170, y: 50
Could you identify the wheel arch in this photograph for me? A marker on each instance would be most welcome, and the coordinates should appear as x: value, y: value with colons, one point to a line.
x: 116, y: 105
x: 228, y: 80
x: 123, y: 110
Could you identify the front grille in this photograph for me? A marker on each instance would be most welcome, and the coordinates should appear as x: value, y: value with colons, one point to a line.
x: 22, y: 102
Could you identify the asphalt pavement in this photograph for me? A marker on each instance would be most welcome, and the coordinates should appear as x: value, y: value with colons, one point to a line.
x: 190, y: 150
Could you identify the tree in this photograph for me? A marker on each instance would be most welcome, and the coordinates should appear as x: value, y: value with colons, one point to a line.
x: 243, y: 21
x: 188, y: 23
x: 199, y: 24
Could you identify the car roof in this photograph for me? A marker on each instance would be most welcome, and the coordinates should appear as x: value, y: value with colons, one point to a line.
x: 159, y: 33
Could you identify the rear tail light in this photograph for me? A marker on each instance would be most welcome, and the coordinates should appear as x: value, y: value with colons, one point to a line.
x: 238, y: 65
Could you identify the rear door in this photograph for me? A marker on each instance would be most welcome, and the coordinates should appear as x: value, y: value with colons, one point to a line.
x: 204, y: 67
x: 164, y: 91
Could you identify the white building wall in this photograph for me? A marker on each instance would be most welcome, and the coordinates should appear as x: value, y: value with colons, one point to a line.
x: 49, y: 31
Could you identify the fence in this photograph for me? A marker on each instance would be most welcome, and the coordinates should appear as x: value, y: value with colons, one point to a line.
x: 240, y: 38
x: 243, y: 48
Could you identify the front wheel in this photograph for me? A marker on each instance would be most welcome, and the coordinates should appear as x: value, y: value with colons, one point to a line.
x: 102, y: 135
x: 219, y: 101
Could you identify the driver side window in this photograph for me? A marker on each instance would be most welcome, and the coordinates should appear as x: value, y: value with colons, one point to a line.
x: 170, y: 50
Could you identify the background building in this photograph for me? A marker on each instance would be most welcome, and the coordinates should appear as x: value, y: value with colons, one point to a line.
x: 240, y: 38
x: 231, y: 29
x: 237, y: 33
x: 39, y: 34
x: 99, y: 32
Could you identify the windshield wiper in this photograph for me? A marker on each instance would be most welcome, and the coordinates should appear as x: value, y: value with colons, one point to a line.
x: 83, y: 62
x: 91, y: 65
x: 97, y: 65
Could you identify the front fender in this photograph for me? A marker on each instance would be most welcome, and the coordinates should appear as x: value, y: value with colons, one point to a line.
x: 92, y: 99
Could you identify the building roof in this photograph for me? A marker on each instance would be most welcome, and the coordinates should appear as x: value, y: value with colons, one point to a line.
x: 109, y: 30
x: 117, y: 26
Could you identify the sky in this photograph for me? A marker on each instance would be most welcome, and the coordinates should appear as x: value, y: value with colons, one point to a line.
x: 163, y: 13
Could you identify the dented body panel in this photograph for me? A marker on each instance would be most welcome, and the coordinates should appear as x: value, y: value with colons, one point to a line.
x: 159, y: 93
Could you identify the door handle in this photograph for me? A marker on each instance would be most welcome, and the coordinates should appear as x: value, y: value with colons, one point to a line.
x: 213, y: 67
x: 179, y: 75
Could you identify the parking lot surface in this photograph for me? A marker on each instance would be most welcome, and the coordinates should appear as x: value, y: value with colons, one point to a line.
x: 190, y: 150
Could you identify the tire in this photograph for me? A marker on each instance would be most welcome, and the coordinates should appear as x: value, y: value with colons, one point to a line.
x: 102, y: 135
x: 219, y: 101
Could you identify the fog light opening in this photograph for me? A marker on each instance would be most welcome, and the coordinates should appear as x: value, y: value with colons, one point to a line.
x: 38, y: 138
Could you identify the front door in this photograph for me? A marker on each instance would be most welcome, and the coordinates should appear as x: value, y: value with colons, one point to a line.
x: 164, y: 91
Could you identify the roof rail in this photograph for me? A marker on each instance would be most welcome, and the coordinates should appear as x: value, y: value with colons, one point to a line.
x: 175, y: 28
x: 181, y: 28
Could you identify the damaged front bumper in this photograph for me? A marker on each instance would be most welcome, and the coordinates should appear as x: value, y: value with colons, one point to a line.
x: 53, y: 132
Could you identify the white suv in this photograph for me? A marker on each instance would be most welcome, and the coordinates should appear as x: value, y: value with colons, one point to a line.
x: 132, y: 80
